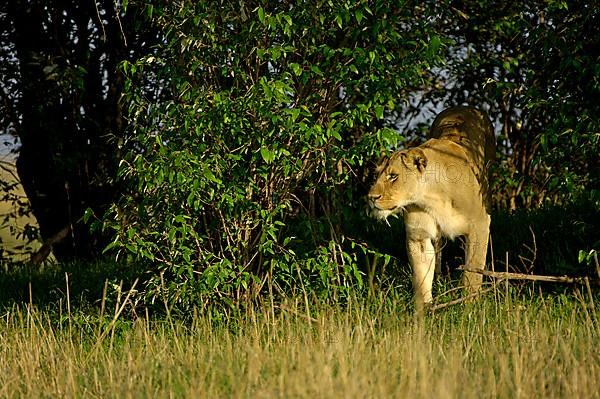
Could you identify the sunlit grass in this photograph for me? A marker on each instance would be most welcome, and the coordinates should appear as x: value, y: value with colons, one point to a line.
x: 515, y: 348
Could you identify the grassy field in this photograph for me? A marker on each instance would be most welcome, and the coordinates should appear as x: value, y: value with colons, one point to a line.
x: 518, y: 346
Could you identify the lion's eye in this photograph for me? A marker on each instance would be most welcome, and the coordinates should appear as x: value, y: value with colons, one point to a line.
x: 392, y: 176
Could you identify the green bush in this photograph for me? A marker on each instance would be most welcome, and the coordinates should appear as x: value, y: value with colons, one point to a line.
x: 251, y: 132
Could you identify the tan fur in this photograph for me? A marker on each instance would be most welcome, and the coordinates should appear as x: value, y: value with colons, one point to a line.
x: 442, y: 189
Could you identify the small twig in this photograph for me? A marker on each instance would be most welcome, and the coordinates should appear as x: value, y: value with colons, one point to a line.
x: 118, y: 18
x: 100, y: 20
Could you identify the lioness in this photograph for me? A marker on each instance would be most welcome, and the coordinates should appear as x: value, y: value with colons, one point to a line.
x: 442, y: 189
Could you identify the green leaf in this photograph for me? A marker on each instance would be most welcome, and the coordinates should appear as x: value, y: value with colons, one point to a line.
x: 150, y: 10
x: 296, y: 69
x: 87, y: 215
x: 211, y: 176
x: 434, y: 45
x: 582, y: 256
x: 379, y: 111
x: 261, y: 15
x: 544, y: 142
x: 316, y: 70
x: 359, y: 16
x: 389, y: 136
x: 114, y: 244
x: 267, y: 155
x: 338, y: 20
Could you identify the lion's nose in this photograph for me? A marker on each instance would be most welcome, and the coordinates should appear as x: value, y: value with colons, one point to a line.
x: 374, y: 197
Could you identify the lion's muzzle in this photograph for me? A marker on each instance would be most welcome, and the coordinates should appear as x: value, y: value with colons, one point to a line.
x: 373, y: 198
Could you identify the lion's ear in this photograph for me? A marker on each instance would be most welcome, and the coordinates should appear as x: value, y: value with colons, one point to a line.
x: 382, y: 159
x: 415, y: 158
x: 419, y: 159
x: 383, y: 156
x: 381, y: 163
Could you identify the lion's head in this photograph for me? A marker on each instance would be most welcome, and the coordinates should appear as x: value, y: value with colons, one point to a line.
x: 399, y: 182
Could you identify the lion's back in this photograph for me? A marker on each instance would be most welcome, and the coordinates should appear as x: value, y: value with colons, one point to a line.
x: 468, y: 127
x: 473, y: 131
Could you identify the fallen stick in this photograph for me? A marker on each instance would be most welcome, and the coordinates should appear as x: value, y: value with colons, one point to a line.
x: 531, y: 277
x: 515, y: 276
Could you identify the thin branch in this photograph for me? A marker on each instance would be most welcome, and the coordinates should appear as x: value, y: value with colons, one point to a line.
x: 118, y: 18
x: 100, y: 20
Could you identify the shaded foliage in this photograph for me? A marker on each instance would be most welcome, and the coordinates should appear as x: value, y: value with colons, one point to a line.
x: 533, y: 66
x: 60, y: 97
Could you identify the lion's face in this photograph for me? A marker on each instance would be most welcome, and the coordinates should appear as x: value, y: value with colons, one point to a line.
x: 398, y: 184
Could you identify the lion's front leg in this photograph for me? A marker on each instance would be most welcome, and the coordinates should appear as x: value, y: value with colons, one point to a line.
x: 475, y: 254
x: 421, y: 232
x: 421, y: 255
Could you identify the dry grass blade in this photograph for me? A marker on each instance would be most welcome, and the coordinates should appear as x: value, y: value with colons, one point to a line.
x: 460, y: 300
x: 114, y: 320
x: 297, y: 313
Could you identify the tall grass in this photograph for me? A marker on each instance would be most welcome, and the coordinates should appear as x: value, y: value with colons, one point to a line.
x: 496, y: 347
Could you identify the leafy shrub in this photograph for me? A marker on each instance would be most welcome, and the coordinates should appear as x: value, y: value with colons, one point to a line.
x: 251, y: 132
